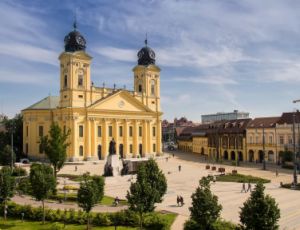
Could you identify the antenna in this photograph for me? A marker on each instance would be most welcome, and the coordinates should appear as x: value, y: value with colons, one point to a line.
x: 146, y: 40
x: 75, y: 20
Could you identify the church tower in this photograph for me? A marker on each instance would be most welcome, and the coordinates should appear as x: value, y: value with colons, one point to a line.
x: 75, y: 78
x: 147, y: 78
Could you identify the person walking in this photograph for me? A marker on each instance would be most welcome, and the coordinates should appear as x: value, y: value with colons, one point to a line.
x: 178, y: 200
x: 181, y: 200
x: 276, y: 173
x: 249, y: 187
x: 243, y: 187
x: 179, y: 168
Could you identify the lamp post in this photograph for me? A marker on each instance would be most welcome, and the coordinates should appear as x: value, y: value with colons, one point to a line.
x: 295, y: 179
x: 264, y: 152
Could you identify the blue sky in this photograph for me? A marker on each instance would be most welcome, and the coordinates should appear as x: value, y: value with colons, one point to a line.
x: 215, y: 55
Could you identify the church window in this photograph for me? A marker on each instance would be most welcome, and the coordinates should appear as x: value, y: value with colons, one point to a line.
x: 80, y: 80
x: 153, y: 131
x: 154, y: 147
x: 110, y: 131
x: 40, y: 149
x: 66, y: 81
x: 140, y: 131
x: 41, y: 131
x: 99, y: 131
x: 140, y: 88
x: 80, y: 130
x: 27, y: 131
x: 81, y: 150
x: 120, y: 131
x: 130, y: 131
x: 152, y: 87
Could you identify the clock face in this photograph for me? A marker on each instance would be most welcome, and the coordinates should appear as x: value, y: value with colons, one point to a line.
x: 121, y: 104
x: 152, y: 54
x: 140, y: 54
x: 80, y: 40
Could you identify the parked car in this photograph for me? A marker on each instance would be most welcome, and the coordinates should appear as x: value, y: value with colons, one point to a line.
x: 24, y: 161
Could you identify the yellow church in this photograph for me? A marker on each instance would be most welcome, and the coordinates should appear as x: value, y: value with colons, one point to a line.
x: 96, y: 115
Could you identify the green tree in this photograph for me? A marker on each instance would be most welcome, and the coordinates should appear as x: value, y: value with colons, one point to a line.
x: 5, y: 156
x: 205, y: 209
x: 55, y: 146
x: 149, y: 188
x: 90, y: 192
x: 42, y: 183
x: 260, y: 211
x: 7, y: 186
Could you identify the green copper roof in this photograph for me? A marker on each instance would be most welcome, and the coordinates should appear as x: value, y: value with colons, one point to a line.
x: 50, y: 102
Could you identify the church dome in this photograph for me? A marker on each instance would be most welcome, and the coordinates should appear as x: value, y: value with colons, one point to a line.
x: 146, y: 55
x: 74, y: 41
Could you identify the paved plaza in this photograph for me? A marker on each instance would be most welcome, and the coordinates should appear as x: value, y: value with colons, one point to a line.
x: 184, y: 183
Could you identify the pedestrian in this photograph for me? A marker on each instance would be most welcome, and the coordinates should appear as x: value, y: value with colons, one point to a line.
x: 75, y: 168
x: 181, y: 200
x: 214, y: 179
x: 167, y: 158
x: 249, y: 187
x: 178, y: 200
x: 173, y: 155
x: 179, y: 168
x: 276, y: 172
x: 243, y: 187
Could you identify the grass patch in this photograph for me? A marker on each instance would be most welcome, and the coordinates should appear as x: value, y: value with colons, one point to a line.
x: 72, y: 177
x: 169, y: 217
x: 289, y: 186
x: 14, y: 224
x: 72, y: 197
x: 240, y: 178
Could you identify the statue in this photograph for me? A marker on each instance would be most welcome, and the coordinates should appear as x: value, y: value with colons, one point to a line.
x: 112, y: 147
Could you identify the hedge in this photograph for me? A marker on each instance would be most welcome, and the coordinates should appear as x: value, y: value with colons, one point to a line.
x: 122, y: 218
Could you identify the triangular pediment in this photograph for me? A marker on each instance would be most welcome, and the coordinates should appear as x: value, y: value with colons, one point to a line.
x: 120, y: 101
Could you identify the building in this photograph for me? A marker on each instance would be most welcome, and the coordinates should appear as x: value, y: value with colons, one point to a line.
x: 171, y: 130
x: 262, y: 139
x: 96, y: 115
x: 227, y: 139
x: 210, y: 118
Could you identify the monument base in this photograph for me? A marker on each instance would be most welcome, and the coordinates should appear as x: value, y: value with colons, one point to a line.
x: 113, y: 166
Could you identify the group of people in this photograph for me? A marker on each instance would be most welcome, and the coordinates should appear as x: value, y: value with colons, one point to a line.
x: 180, y: 201
x: 244, y: 187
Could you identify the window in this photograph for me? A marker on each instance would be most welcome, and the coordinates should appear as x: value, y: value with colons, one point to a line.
x: 80, y: 80
x: 140, y: 131
x: 140, y: 88
x: 250, y: 139
x: 121, y: 131
x: 256, y: 139
x: 110, y: 131
x: 281, y: 140
x: 66, y: 81
x: 99, y: 131
x: 41, y: 131
x: 154, y: 147
x: 270, y: 139
x: 153, y: 131
x: 130, y: 148
x: 81, y: 150
x: 290, y: 140
x: 26, y: 148
x: 80, y: 96
x: 27, y: 131
x: 40, y: 149
x: 130, y: 131
x: 80, y: 130
x: 65, y: 129
x: 152, y: 87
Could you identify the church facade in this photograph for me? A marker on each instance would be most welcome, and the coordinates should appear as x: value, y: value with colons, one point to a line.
x: 96, y: 115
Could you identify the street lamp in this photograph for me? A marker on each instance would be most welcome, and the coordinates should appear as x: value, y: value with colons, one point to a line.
x: 264, y: 152
x: 295, y: 179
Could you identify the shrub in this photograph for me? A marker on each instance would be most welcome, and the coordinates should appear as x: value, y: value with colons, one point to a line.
x: 18, y: 171
x: 155, y: 222
x: 24, y: 186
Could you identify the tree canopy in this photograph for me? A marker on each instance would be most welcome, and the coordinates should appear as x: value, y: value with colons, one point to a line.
x: 55, y: 146
x: 7, y: 185
x: 260, y: 211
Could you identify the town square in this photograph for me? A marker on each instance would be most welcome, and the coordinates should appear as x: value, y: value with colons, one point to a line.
x: 172, y: 114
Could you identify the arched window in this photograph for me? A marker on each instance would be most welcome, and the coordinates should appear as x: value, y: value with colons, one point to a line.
x: 140, y: 88
x: 80, y: 80
x: 66, y: 81
x: 81, y: 150
x: 152, y: 87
